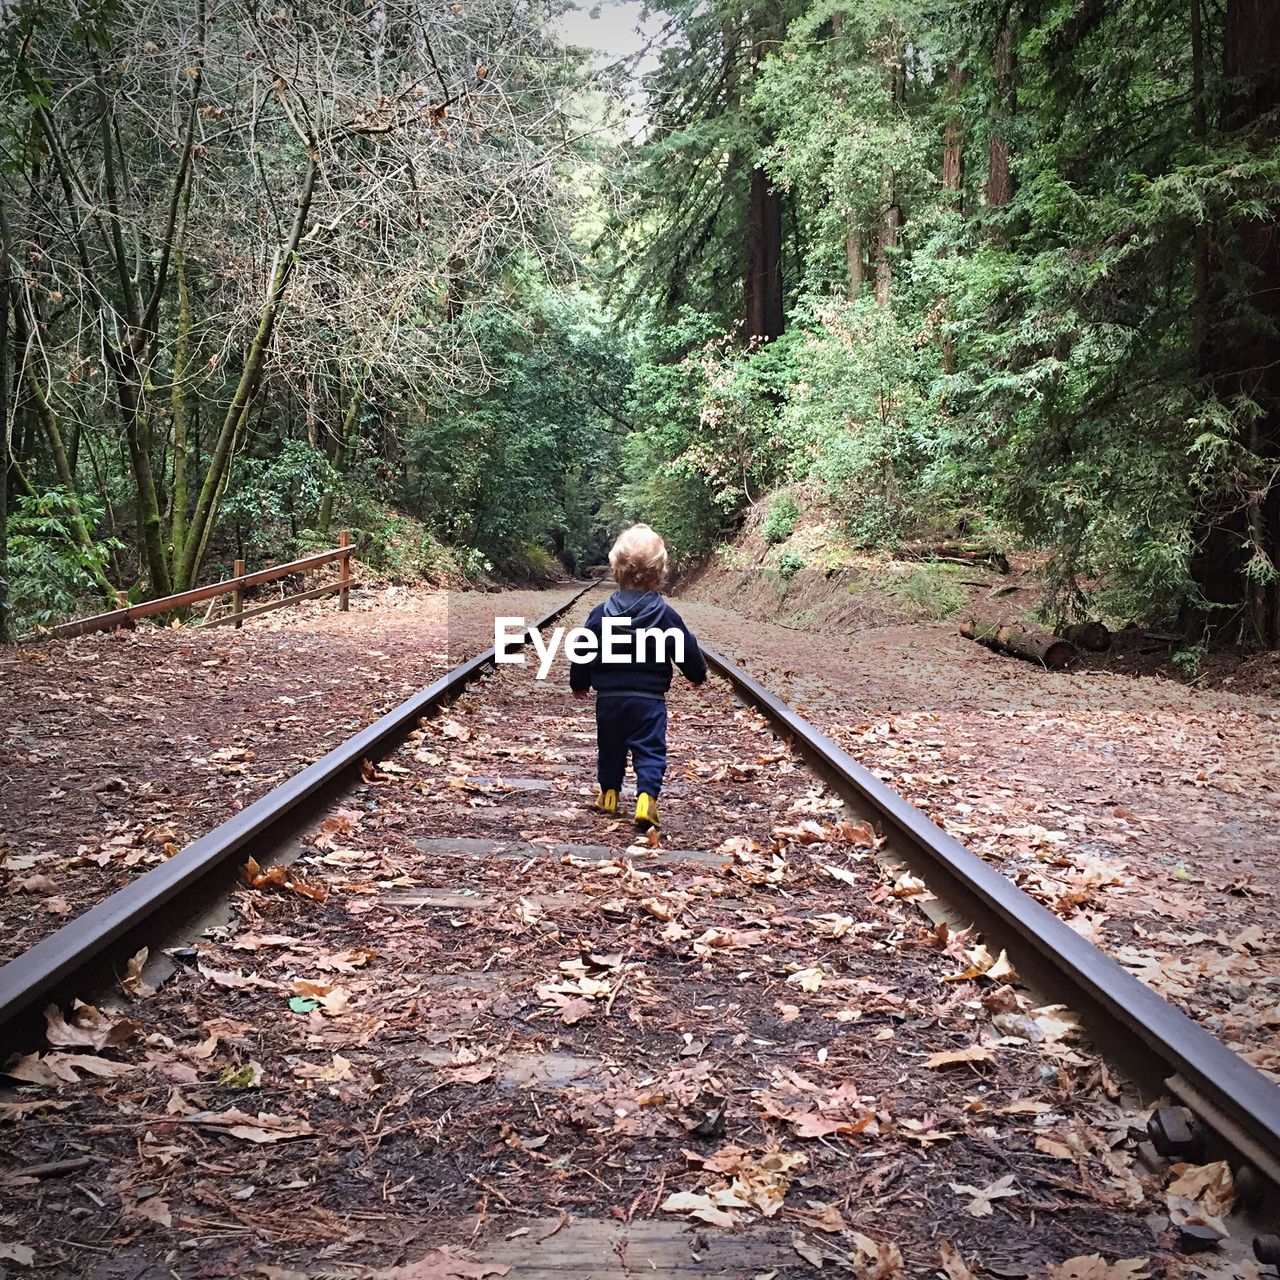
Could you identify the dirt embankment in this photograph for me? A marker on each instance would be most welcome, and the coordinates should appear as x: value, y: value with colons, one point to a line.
x: 1144, y: 811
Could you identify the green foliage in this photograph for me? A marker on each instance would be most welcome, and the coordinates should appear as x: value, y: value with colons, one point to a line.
x: 272, y: 501
x: 931, y: 591
x: 789, y: 564
x: 1190, y: 659
x: 780, y: 520
x: 51, y: 576
x: 400, y: 547
x: 534, y: 455
x: 1045, y: 368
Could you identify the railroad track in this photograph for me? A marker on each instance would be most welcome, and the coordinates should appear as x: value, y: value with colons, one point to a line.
x: 772, y: 856
x: 156, y: 904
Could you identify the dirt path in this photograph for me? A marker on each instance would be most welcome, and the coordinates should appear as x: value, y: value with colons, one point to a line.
x: 1146, y: 813
x: 485, y: 1023
x: 118, y: 749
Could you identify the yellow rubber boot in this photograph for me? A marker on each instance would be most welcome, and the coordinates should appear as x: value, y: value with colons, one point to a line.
x: 646, y: 812
x: 607, y: 801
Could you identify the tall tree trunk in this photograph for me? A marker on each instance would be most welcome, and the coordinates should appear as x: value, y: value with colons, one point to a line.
x: 1004, y: 74
x: 887, y: 241
x: 890, y: 209
x: 178, y: 402
x: 855, y: 263
x: 953, y: 184
x: 953, y: 137
x: 854, y: 251
x: 215, y: 480
x: 765, y: 313
x: 346, y: 435
x: 1246, y: 367
x: 1200, y: 249
x: 6, y: 442
x: 136, y: 418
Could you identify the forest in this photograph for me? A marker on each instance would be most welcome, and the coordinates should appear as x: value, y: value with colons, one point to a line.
x: 427, y: 271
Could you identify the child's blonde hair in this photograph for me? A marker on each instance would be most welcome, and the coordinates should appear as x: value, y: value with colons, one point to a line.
x: 639, y: 559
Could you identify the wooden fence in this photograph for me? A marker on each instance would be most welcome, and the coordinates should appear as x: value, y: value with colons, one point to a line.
x: 234, y: 587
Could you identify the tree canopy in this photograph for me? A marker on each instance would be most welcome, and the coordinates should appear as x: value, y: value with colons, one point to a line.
x: 1008, y: 264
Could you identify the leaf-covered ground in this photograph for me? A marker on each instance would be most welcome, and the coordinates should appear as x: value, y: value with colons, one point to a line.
x: 119, y: 749
x: 477, y: 1032
x: 1145, y: 813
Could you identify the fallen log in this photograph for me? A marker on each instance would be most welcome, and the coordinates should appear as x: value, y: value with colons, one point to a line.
x: 1020, y: 640
x: 1094, y: 636
x: 956, y: 553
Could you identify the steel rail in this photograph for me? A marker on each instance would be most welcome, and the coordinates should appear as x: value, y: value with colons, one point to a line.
x: 48, y: 964
x: 1247, y: 1103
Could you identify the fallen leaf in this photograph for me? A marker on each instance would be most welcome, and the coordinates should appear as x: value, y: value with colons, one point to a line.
x: 981, y: 1206
x: 132, y: 984
x: 714, y: 1208
x: 281, y: 877
x: 18, y: 1254
x: 1096, y: 1267
x: 248, y: 1076
x: 1211, y: 1186
x: 152, y: 1210
x: 953, y: 1264
x: 262, y: 1128
x: 809, y: 1250
x: 35, y: 884
x: 87, y: 1028
x: 807, y: 979
x: 62, y: 1068
x: 885, y: 1258
x: 338, y: 1069
x: 11, y: 1112
x: 442, y: 1264
x: 958, y: 1057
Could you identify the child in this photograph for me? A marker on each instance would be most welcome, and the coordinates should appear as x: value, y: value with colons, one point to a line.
x: 631, y: 707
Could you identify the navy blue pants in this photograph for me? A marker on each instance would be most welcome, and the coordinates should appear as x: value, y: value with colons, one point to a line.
x: 626, y: 722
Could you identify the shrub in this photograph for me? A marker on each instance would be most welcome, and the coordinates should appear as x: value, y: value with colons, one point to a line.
x: 931, y: 592
x: 51, y: 576
x: 780, y: 521
x: 789, y: 565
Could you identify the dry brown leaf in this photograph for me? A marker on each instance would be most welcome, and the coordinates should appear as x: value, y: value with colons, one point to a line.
x: 262, y: 1128
x: 876, y: 1259
x: 959, y: 1057
x: 716, y: 1207
x: 1211, y: 1186
x: 132, y: 984
x: 338, y: 1069
x: 981, y: 1206
x: 11, y: 1112
x: 281, y: 877
x: 152, y: 1210
x: 442, y: 1264
x: 1095, y: 1267
x: 63, y: 1068
x: 87, y: 1028
x: 953, y: 1264
x: 19, y: 1254
x: 234, y: 980
x: 810, y: 1250
x: 35, y: 884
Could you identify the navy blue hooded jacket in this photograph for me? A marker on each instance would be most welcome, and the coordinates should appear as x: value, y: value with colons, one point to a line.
x: 651, y: 678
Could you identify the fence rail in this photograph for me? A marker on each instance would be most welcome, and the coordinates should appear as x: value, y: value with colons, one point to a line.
x: 234, y: 587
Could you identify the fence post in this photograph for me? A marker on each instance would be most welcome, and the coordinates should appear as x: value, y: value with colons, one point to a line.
x: 237, y: 593
x: 344, y: 572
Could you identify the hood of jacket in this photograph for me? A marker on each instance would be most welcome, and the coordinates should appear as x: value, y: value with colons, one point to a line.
x: 644, y: 608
